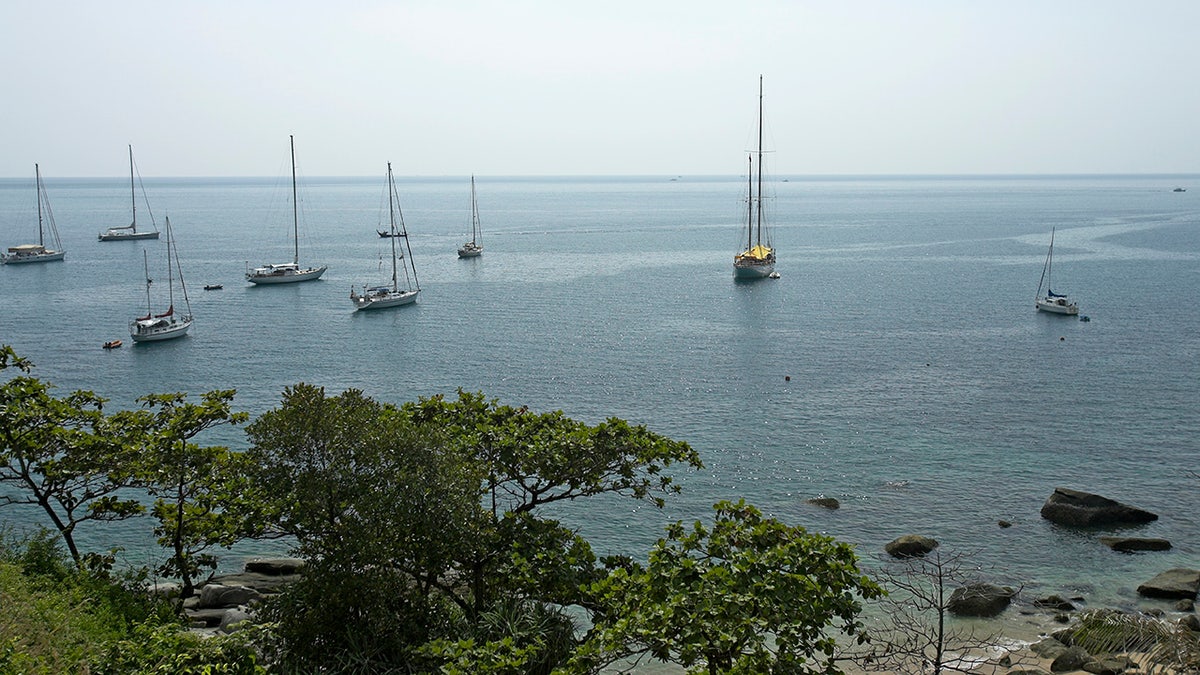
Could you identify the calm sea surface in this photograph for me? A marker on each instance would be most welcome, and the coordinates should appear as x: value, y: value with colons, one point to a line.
x: 897, y: 364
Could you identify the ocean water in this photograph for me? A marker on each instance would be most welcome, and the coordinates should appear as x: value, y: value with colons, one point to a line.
x: 897, y: 365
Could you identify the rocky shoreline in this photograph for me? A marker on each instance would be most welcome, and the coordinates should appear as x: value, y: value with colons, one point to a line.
x: 1033, y: 636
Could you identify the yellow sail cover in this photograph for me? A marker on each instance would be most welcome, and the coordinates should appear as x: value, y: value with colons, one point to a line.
x: 757, y: 252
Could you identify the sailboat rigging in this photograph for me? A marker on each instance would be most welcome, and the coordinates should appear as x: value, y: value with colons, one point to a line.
x: 379, y: 297
x: 1052, y: 302
x: 34, y: 253
x: 169, y: 324
x: 758, y: 259
x: 473, y: 248
x: 286, y: 273
x: 130, y: 231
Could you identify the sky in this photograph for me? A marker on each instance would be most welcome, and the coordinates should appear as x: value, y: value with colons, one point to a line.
x: 618, y: 87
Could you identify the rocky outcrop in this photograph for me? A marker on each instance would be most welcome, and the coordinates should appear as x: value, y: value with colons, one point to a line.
x: 1175, y: 584
x: 1083, y: 509
x: 824, y: 502
x: 982, y: 600
x: 228, y: 601
x: 1129, y: 544
x: 910, y: 546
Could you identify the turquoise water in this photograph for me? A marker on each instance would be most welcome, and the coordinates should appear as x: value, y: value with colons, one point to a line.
x: 897, y: 364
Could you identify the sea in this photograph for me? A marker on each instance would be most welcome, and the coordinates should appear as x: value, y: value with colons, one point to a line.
x: 897, y: 364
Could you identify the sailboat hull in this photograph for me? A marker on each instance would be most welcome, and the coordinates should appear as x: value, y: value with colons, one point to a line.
x: 115, y: 235
x: 470, y: 251
x: 284, y: 274
x: 1057, y: 306
x: 384, y: 300
x: 44, y: 256
x: 157, y: 330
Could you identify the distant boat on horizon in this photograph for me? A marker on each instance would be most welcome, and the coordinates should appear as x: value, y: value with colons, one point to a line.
x: 758, y: 260
x: 36, y: 253
x: 473, y: 249
x: 380, y: 297
x: 287, y: 273
x: 1052, y: 302
x: 130, y: 231
x: 168, y: 325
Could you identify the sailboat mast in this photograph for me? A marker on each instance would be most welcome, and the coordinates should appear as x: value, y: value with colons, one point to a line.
x: 749, y: 202
x: 170, y: 275
x: 474, y: 213
x: 37, y: 172
x: 758, y: 203
x: 146, y: 265
x: 132, y: 192
x: 295, y: 207
x: 392, y: 217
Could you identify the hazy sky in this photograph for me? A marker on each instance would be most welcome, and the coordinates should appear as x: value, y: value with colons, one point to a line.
x: 550, y: 87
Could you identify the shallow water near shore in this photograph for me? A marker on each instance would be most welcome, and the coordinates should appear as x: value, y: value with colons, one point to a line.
x: 897, y: 365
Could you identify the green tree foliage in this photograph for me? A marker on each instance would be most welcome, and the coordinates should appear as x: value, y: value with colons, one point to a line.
x: 62, y: 455
x: 436, y: 503
x: 747, y: 594
x: 197, y: 490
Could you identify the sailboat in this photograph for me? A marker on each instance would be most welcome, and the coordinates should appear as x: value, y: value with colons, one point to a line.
x: 130, y: 231
x: 1052, y: 302
x: 758, y: 259
x: 379, y: 297
x: 168, y: 325
x: 287, y: 273
x: 473, y: 249
x: 34, y: 253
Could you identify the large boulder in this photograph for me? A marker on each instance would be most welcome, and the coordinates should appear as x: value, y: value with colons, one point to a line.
x: 1127, y: 544
x: 1083, y: 509
x: 275, y: 566
x: 983, y: 600
x: 1175, y: 584
x: 910, y: 546
x: 218, y: 595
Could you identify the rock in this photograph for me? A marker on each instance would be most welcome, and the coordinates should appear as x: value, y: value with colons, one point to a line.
x: 1027, y: 671
x: 1174, y: 584
x: 1190, y: 622
x: 824, y: 502
x: 1105, y: 666
x: 275, y: 567
x: 217, y: 595
x: 206, y: 618
x: 1083, y: 509
x: 1048, y: 648
x: 1004, y: 523
x: 1185, y: 605
x: 910, y: 546
x: 982, y: 600
x: 1072, y: 659
x: 263, y: 583
x: 1056, y: 602
x: 165, y: 589
x: 1135, y: 544
x: 234, y: 620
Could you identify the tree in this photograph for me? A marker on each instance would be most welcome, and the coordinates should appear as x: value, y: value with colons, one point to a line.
x: 197, y: 490
x: 63, y: 455
x: 747, y: 594
x: 917, y: 632
x: 437, y: 502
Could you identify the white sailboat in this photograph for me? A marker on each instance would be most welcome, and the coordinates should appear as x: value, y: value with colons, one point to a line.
x: 287, y: 273
x: 473, y: 248
x: 379, y: 297
x: 758, y: 258
x: 35, y: 253
x: 170, y: 324
x: 130, y: 231
x: 1052, y: 302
